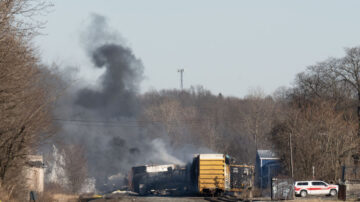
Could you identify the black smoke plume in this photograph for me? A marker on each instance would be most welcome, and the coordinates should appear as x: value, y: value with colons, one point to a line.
x: 103, y: 118
x: 119, y: 83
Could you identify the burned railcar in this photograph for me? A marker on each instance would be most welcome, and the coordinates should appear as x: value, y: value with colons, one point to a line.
x: 206, y: 174
x: 160, y: 179
x: 241, y: 177
x: 215, y: 174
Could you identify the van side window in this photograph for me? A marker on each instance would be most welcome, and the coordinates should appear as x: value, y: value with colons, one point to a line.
x: 302, y: 184
x: 318, y: 183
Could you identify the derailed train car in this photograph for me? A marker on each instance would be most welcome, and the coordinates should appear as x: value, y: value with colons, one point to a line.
x: 159, y: 179
x: 211, y: 173
x: 206, y: 174
x: 215, y: 174
x: 241, y: 177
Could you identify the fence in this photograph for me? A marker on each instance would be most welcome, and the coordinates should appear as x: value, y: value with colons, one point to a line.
x: 282, y: 189
x: 350, y: 177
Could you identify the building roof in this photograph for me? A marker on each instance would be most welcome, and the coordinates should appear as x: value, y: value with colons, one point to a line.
x: 37, y: 164
x: 266, y: 154
x: 35, y: 161
x: 159, y: 168
x: 211, y: 156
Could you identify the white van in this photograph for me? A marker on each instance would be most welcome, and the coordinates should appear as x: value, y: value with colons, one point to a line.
x: 304, y: 188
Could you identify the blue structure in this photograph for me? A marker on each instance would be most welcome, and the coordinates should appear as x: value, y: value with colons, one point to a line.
x: 267, y: 166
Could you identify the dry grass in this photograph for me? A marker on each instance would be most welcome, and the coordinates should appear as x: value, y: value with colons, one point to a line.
x: 316, y: 199
x: 44, y: 197
x: 65, y: 198
x: 4, y: 196
x: 53, y: 195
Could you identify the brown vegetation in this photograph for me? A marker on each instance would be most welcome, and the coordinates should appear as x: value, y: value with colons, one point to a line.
x: 226, y: 125
x: 322, y: 115
x: 320, y: 112
x: 320, y: 137
x: 24, y: 108
x: 75, y: 166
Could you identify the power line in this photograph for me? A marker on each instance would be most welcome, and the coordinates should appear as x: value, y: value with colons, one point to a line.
x: 134, y: 124
x: 118, y: 125
x: 103, y: 125
x: 129, y: 123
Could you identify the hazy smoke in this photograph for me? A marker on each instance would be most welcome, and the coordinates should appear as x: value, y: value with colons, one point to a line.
x: 104, y: 119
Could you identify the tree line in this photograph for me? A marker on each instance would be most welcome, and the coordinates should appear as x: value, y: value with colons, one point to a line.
x: 320, y: 112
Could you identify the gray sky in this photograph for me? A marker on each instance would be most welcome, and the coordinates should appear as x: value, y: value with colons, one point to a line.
x: 226, y: 46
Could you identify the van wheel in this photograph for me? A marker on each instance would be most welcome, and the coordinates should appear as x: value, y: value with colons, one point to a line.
x: 303, y: 193
x: 333, y: 192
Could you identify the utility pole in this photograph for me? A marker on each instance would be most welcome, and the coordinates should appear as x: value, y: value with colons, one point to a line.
x: 181, y: 78
x: 291, y: 157
x: 313, y: 172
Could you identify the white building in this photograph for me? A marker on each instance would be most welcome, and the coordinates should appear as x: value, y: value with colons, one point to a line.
x: 34, y: 172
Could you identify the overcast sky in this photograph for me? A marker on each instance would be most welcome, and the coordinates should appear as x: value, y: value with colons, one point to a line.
x: 226, y: 46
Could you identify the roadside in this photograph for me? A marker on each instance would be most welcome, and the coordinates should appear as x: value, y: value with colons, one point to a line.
x: 151, y: 199
x: 131, y: 198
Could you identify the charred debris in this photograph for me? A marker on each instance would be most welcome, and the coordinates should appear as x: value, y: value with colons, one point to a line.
x: 207, y: 174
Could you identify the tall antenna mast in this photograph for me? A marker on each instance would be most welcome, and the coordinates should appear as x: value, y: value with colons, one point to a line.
x: 181, y: 78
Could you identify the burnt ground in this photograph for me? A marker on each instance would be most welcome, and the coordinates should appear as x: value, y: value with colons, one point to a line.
x: 129, y: 198
x: 152, y: 198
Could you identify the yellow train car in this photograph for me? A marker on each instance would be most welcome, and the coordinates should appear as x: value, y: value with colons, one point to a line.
x: 212, y: 173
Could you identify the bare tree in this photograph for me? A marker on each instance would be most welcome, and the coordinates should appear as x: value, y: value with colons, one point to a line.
x: 15, y: 14
x: 335, y: 79
x: 24, y: 106
x: 321, y: 137
x: 75, y: 166
x: 221, y: 124
x: 348, y: 70
x: 259, y: 113
x: 171, y: 116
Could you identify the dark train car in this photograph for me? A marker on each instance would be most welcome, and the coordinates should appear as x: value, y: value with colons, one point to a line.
x: 168, y: 179
x: 137, y: 173
x: 241, y: 177
x: 207, y: 174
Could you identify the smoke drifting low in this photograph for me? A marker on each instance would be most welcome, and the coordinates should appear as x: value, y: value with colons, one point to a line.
x: 104, y: 119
